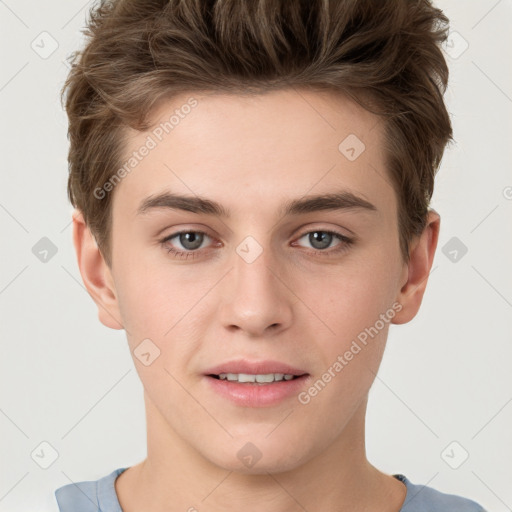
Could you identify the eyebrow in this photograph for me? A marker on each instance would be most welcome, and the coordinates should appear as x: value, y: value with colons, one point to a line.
x: 343, y: 200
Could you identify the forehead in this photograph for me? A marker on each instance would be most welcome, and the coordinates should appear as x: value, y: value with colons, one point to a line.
x: 266, y: 148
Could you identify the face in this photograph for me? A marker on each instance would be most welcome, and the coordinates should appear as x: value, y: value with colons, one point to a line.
x: 274, y: 284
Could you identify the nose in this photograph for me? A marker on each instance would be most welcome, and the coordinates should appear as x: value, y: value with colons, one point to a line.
x: 256, y: 297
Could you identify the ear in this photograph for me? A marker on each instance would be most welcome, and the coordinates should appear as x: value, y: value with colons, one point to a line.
x: 416, y: 272
x: 95, y: 273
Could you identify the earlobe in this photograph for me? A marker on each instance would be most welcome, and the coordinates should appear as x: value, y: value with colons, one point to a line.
x: 417, y: 271
x: 95, y: 273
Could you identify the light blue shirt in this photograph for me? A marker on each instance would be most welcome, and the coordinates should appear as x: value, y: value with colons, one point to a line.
x: 100, y: 496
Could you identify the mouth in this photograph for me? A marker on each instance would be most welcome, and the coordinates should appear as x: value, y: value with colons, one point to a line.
x: 256, y: 384
x: 262, y: 378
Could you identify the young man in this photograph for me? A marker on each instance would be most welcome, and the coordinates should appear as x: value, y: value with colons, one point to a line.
x: 251, y: 182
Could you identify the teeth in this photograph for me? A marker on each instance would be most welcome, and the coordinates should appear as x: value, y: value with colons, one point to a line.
x: 245, y: 377
x: 260, y: 378
x: 265, y: 378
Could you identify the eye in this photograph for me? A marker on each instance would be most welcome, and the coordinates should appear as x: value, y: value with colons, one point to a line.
x: 321, y: 239
x: 190, y: 242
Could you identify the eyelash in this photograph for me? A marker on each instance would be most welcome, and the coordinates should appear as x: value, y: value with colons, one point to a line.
x: 341, y: 247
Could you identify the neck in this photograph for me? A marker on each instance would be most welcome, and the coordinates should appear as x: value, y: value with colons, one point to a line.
x: 176, y: 477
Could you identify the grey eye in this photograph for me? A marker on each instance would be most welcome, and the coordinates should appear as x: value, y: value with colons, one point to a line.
x: 190, y: 240
x: 320, y: 239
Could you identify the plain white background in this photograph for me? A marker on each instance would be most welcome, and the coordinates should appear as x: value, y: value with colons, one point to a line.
x: 444, y: 391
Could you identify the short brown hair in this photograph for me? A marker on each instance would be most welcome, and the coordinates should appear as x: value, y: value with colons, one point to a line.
x: 384, y: 54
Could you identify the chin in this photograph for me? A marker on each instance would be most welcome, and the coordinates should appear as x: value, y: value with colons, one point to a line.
x: 259, y: 456
x: 261, y: 467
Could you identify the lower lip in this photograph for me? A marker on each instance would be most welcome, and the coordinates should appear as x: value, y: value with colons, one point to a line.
x: 257, y: 395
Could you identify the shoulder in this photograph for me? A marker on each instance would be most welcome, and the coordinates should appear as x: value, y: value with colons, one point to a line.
x: 89, y: 496
x: 421, y: 498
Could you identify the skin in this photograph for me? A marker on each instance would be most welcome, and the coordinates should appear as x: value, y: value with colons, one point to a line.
x: 251, y: 154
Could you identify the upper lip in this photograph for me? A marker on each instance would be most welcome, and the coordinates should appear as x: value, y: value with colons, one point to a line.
x: 254, y: 368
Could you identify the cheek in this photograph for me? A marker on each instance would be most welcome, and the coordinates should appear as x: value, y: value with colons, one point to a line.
x: 139, y: 299
x: 358, y: 314
x: 147, y: 310
x: 351, y: 299
x: 166, y: 305
x: 356, y: 303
